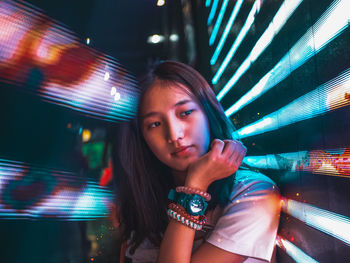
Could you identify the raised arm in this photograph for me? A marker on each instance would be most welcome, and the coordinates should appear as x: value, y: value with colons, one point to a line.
x: 223, y: 160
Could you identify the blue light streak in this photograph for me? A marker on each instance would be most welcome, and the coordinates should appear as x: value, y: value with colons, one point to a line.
x: 329, y: 96
x: 333, y: 224
x: 279, y: 161
x: 212, y: 12
x: 248, y: 23
x: 283, y: 14
x: 218, y: 23
x: 228, y: 27
x: 332, y: 23
x: 293, y: 251
x: 207, y: 3
x: 331, y: 162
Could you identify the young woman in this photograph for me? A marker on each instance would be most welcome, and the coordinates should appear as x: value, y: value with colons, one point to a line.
x: 175, y: 156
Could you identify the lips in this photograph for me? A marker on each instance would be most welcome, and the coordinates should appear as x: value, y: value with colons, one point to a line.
x: 182, y: 151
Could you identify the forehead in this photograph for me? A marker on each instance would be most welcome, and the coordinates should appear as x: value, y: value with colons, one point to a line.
x: 162, y: 95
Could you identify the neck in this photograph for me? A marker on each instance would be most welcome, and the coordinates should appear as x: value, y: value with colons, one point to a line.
x: 179, y: 177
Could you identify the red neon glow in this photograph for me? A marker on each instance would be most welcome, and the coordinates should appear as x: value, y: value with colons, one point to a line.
x: 326, y: 162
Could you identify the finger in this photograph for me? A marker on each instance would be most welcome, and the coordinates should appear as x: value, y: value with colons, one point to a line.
x: 239, y: 150
x: 229, y: 148
x: 242, y: 153
x: 217, y: 147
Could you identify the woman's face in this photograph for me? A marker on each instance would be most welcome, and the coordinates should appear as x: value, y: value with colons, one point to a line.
x: 174, y: 125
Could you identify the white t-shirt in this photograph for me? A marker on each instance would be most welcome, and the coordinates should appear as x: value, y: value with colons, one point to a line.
x: 247, y: 225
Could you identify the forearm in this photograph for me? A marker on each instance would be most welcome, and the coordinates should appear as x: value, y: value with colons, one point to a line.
x: 177, y: 243
x: 178, y: 239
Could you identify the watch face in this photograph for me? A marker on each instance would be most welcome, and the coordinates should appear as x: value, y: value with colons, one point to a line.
x: 196, y: 204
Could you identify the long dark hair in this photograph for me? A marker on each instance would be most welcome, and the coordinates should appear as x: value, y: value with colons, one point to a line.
x: 143, y: 182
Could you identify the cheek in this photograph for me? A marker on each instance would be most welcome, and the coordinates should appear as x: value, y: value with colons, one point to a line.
x: 156, y: 144
x: 205, y: 134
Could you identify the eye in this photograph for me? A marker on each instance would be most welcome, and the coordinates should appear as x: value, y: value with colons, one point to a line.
x: 154, y: 124
x: 185, y: 113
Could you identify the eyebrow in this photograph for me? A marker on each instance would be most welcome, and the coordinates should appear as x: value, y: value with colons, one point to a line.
x: 152, y: 113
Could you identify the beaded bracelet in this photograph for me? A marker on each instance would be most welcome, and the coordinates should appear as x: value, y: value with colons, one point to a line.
x: 201, y: 220
x: 189, y: 190
x: 183, y: 220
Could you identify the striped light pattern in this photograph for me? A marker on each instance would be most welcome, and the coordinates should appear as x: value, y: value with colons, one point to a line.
x: 212, y: 12
x: 278, y: 161
x: 30, y: 192
x: 333, y: 224
x: 283, y: 14
x: 57, y: 66
x: 329, y: 96
x: 218, y: 22
x: 227, y: 30
x: 248, y: 23
x: 293, y: 251
x: 332, y: 162
x: 332, y: 23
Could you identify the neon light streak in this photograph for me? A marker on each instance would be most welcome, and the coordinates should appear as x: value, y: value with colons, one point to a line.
x: 63, y: 195
x: 278, y: 161
x: 207, y: 3
x: 283, y: 14
x: 293, y: 251
x: 333, y: 224
x: 212, y: 11
x: 218, y: 23
x: 248, y: 23
x: 332, y: 162
x: 80, y: 88
x: 332, y: 23
x: 228, y: 27
x: 330, y: 96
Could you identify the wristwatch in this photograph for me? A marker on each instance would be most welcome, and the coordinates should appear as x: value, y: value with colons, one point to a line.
x: 194, y: 204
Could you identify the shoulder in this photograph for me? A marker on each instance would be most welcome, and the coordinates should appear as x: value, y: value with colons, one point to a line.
x: 250, y: 183
x: 247, y: 176
x: 249, y: 221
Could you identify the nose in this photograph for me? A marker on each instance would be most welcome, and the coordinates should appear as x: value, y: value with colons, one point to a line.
x: 175, y: 131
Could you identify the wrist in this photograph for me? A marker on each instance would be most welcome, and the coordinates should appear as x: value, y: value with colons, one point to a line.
x: 197, y: 184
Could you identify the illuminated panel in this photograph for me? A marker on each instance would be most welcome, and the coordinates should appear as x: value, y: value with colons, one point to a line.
x: 212, y: 11
x: 228, y: 27
x: 30, y: 192
x: 44, y: 58
x: 329, y: 96
x: 248, y: 23
x: 332, y: 162
x: 293, y: 251
x: 330, y: 25
x: 278, y: 161
x: 207, y: 3
x: 286, y: 10
x: 218, y: 22
x: 333, y: 224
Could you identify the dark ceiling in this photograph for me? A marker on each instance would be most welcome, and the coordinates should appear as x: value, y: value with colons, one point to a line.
x: 118, y: 28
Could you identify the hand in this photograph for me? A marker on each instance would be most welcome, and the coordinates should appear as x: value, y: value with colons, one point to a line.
x: 223, y: 159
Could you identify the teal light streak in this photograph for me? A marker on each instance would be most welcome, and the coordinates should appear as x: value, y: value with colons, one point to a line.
x: 310, y: 105
x: 226, y: 31
x: 218, y: 23
x: 212, y: 11
x: 293, y: 251
x: 282, y: 15
x: 248, y: 23
x: 332, y: 23
x: 333, y: 224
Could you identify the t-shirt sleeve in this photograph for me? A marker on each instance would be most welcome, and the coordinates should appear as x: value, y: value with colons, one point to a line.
x: 249, y: 223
